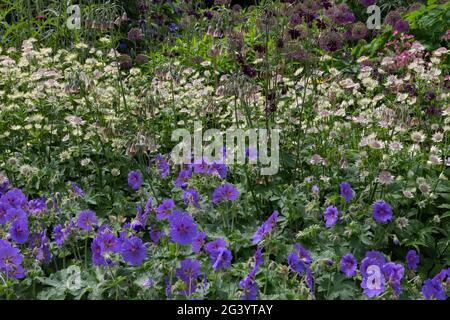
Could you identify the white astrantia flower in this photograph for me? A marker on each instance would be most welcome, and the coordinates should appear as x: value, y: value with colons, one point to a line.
x: 417, y: 136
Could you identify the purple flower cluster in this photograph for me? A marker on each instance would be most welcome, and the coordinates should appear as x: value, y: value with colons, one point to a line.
x: 219, y: 253
x: 346, y: 191
x: 434, y: 289
x: 190, y: 196
x: 248, y: 284
x: 11, y: 260
x: 162, y: 166
x: 182, y: 228
x: 382, y: 212
x: 330, y: 216
x: 225, y: 192
x: 87, y: 220
x: 265, y: 228
x: 134, y: 179
x: 189, y: 272
x: 349, y: 265
x: 412, y: 259
x: 299, y: 261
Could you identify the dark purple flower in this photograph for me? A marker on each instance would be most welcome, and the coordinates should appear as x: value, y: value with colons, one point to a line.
x: 359, y: 31
x: 392, y: 17
x: 19, y: 231
x: 189, y: 270
x: 15, y: 198
x: 165, y: 209
x: 36, y: 206
x: 221, y: 169
x: 13, y: 214
x: 134, y: 34
x: 87, y: 220
x: 198, y: 242
x: 401, y: 26
x: 393, y: 273
x: 58, y: 235
x: 221, y: 259
x: 134, y: 251
x: 330, y: 216
x: 155, y: 234
x: 190, y: 196
x: 215, y: 245
x: 348, y: 265
x: 225, y: 192
x: 346, y: 191
x: 162, y: 166
x: 134, y: 179
x: 432, y: 289
x: 76, y: 189
x: 299, y: 259
x: 10, y: 260
x: 412, y: 259
x: 183, y: 177
x: 382, y: 212
x: 330, y: 41
x: 182, y: 228
x: 40, y: 245
x: 4, y: 207
x: 109, y: 243
x: 148, y: 206
x: 96, y: 249
x: 250, y: 289
x: 265, y: 228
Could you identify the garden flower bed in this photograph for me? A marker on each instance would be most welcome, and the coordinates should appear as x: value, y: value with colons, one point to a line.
x: 355, y: 204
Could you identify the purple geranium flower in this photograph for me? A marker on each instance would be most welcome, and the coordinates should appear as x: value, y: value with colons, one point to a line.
x: 190, y: 196
x: 349, y: 265
x: 76, y: 189
x: 221, y: 259
x: 382, y: 211
x: 15, y: 198
x: 19, y: 231
x: 165, y: 209
x: 299, y: 259
x: 182, y: 228
x: 432, y: 289
x: 15, y: 214
x: 346, y: 191
x: 412, y: 259
x: 198, y: 242
x: 183, y: 177
x: 225, y: 192
x: 189, y: 270
x: 36, y: 206
x: 4, y: 207
x: 155, y: 234
x: 330, y: 216
x: 265, y: 228
x: 134, y: 179
x: 215, y: 245
x: 10, y: 256
x: 87, y: 220
x: 394, y: 275
x: 58, y: 235
x: 134, y: 251
x: 162, y: 166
